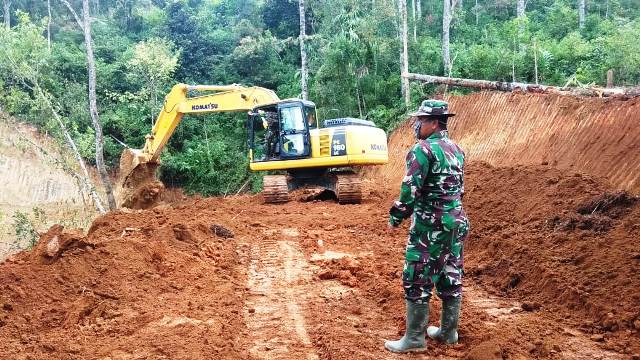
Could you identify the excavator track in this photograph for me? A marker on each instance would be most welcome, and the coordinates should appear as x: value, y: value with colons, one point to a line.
x: 275, y: 189
x: 348, y: 188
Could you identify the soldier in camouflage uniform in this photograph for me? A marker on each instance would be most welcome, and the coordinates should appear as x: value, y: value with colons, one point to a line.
x: 432, y: 192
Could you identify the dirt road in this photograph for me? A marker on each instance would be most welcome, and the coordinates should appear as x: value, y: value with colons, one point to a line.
x: 321, y: 281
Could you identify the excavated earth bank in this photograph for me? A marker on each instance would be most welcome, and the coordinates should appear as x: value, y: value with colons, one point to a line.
x: 552, y: 270
x: 595, y: 136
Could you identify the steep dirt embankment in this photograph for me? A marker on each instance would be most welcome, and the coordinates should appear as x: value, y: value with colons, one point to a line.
x: 600, y: 137
x: 565, y: 242
x: 27, y: 177
x: 31, y: 182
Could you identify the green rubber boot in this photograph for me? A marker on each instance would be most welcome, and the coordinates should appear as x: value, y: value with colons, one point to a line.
x: 413, y: 339
x: 448, y: 331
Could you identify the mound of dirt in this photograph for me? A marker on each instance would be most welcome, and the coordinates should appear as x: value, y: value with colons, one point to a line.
x: 613, y: 205
x: 150, y: 284
x: 596, y: 214
x: 585, y: 269
x: 57, y: 241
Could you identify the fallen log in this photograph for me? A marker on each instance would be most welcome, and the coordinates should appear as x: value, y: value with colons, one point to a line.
x: 624, y: 93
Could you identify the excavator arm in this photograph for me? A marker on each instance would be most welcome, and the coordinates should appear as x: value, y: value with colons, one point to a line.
x: 137, y: 166
x: 226, y: 98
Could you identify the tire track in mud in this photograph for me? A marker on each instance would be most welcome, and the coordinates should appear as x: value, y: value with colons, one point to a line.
x: 277, y: 291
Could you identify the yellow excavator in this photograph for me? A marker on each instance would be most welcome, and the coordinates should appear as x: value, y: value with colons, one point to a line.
x: 282, y: 135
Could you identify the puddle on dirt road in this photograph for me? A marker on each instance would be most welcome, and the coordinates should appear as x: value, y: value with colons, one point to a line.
x: 497, y: 309
x: 173, y: 321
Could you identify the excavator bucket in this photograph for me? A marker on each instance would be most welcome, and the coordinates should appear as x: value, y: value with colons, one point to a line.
x: 129, y: 159
x: 138, y: 186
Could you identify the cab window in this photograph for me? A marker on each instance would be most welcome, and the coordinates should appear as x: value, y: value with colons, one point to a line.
x: 294, y: 132
x: 292, y: 119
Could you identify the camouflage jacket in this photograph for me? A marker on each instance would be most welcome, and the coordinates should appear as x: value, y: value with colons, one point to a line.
x: 433, y: 187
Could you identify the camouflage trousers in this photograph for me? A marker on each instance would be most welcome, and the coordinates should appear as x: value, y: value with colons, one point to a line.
x: 434, y: 258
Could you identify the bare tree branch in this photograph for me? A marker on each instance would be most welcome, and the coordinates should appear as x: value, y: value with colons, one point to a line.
x: 74, y: 13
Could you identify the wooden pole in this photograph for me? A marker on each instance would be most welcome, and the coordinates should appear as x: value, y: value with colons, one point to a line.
x: 304, y: 72
x: 404, y: 54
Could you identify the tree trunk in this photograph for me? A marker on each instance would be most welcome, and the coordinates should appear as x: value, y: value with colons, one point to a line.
x: 624, y: 93
x: 49, y: 25
x: 6, y: 6
x: 404, y: 54
x: 303, y: 52
x: 415, y: 24
x: 535, y: 59
x: 419, y: 11
x: 446, y: 24
x: 93, y: 107
x: 477, y: 11
x: 86, y: 179
x: 581, y: 13
x: 520, y: 9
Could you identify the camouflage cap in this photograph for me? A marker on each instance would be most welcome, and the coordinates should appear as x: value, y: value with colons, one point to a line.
x: 433, y: 107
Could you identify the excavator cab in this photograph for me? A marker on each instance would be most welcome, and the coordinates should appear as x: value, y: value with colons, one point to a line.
x: 285, y: 136
x: 281, y: 131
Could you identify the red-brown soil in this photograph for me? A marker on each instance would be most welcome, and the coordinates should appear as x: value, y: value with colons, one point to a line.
x: 552, y: 272
x: 588, y: 135
x: 233, y: 278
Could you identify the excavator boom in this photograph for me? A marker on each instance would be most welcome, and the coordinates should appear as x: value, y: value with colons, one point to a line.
x: 227, y: 98
x: 137, y: 166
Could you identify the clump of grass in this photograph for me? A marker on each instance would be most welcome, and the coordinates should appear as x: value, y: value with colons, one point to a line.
x: 25, y: 228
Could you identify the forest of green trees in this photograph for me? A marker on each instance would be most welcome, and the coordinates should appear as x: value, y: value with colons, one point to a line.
x: 143, y: 47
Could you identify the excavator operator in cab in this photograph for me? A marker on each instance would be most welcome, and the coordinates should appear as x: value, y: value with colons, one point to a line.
x: 271, y: 135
